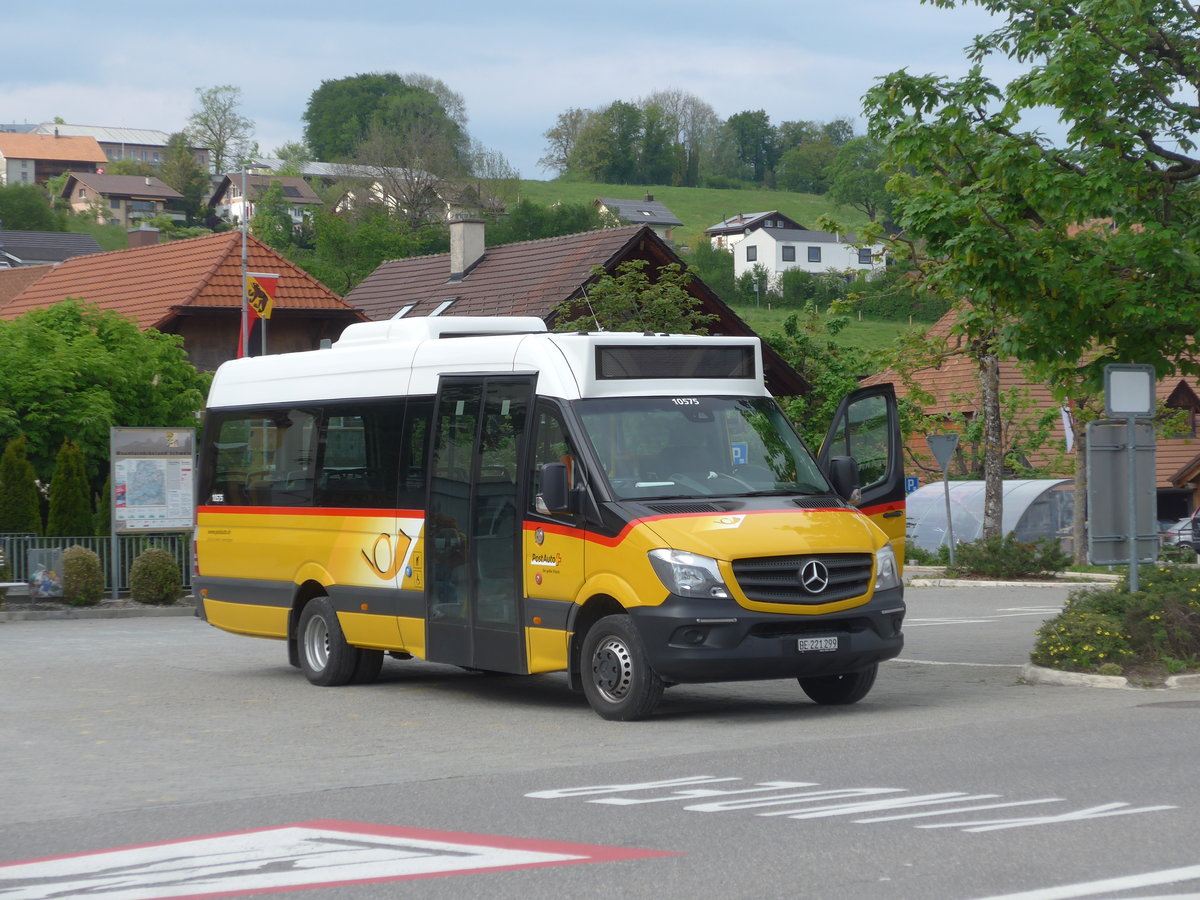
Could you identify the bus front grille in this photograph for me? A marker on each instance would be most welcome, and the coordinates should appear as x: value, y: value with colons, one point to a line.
x: 805, y: 579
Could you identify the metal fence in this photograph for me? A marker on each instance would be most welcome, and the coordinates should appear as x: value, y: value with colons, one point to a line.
x: 16, y: 549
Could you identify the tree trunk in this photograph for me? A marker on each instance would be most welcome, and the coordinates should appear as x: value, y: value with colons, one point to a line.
x: 993, y: 449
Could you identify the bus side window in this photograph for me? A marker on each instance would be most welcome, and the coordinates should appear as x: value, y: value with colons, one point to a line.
x: 264, y: 459
x: 552, y: 445
x: 360, y: 442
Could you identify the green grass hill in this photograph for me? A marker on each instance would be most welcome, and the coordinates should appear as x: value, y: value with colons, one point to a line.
x: 697, y: 208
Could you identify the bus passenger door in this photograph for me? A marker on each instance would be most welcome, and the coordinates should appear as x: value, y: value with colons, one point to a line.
x: 473, y: 525
x: 867, y: 428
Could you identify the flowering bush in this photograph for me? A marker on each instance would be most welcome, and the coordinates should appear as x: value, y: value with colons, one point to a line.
x: 1156, y: 626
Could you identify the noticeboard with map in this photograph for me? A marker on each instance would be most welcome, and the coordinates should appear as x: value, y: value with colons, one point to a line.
x: 152, y: 478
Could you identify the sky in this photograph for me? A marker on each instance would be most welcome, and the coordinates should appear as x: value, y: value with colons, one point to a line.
x: 516, y: 64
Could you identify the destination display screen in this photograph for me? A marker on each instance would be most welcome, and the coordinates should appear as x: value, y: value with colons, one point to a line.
x: 658, y: 361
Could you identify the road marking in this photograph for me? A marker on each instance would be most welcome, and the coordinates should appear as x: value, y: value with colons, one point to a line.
x: 288, y: 857
x: 974, y: 665
x: 802, y: 800
x: 1108, y: 885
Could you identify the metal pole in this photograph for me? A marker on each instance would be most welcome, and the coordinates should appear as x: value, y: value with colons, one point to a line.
x: 245, y: 324
x: 949, y: 520
x: 1131, y: 456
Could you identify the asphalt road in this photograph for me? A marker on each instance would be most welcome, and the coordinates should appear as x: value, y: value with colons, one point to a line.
x: 233, y: 775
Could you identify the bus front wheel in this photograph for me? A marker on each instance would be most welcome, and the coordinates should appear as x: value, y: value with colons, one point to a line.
x: 325, y: 657
x: 840, y: 690
x: 617, y: 678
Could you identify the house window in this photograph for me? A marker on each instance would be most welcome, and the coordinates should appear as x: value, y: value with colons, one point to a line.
x: 864, y: 257
x: 156, y: 159
x: 789, y: 254
x: 114, y: 203
x: 814, y: 254
x: 751, y: 254
x: 82, y: 194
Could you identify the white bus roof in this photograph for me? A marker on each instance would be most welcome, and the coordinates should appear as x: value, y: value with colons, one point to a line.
x: 406, y: 357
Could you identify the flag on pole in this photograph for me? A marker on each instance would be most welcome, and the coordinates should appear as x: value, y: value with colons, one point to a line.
x: 259, y: 303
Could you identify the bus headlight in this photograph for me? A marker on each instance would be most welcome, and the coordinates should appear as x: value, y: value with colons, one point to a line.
x: 688, y: 574
x: 887, y: 573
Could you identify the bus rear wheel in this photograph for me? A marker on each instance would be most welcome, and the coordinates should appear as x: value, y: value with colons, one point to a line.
x: 617, y: 678
x: 840, y: 690
x: 325, y: 657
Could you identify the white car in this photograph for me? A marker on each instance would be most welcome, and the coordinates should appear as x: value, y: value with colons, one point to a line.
x: 1182, y: 533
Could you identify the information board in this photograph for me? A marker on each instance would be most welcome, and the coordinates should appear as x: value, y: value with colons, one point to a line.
x: 152, y: 479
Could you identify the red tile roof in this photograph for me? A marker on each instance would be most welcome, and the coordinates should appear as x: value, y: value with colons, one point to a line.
x: 954, y: 385
x: 16, y: 279
x: 155, y: 284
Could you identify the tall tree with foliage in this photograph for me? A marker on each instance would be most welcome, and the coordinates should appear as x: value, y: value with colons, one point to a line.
x: 180, y: 171
x: 272, y: 219
x: 73, y: 371
x: 634, y: 299
x: 857, y: 179
x: 70, y: 495
x: 20, y: 508
x: 1080, y: 252
x: 26, y: 207
x: 757, y: 145
x: 218, y: 124
x: 342, y: 112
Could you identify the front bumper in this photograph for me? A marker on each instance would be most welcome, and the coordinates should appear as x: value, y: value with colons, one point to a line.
x: 700, y: 640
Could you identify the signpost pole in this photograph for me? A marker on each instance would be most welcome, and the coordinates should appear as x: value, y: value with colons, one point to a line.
x: 942, y: 446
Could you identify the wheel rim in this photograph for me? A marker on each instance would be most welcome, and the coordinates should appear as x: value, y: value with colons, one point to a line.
x: 316, y: 644
x: 612, y: 669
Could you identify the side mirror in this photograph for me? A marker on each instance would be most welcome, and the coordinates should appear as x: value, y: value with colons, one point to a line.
x: 843, y: 473
x: 554, y: 495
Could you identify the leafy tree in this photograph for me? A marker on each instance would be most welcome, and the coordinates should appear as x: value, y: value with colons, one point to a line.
x: 26, y: 207
x: 560, y: 140
x: 295, y: 156
x: 631, y: 300
x: 1076, y: 253
x: 70, y: 495
x: 806, y: 168
x: 757, y: 144
x: 714, y: 266
x: 408, y: 171
x: 130, y: 167
x: 180, y: 171
x: 857, y: 179
x: 342, y: 113
x: 833, y: 369
x: 607, y: 145
x: 272, y: 220
x: 219, y: 125
x: 72, y: 371
x: 20, y: 510
x: 529, y: 221
x: 349, y: 246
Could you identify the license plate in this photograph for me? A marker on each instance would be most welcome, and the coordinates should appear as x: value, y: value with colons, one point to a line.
x: 821, y: 644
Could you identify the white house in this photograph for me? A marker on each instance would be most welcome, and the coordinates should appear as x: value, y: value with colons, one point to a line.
x: 776, y: 243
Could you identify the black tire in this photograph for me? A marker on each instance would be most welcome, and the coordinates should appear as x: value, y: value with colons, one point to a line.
x: 617, y: 678
x: 325, y: 657
x: 840, y: 690
x: 370, y: 662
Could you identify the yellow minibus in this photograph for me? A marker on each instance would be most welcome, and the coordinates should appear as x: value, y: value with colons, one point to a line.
x: 634, y: 510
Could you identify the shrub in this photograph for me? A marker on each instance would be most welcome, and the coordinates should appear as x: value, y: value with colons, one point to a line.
x: 919, y: 556
x: 154, y: 577
x: 83, y: 577
x: 1007, y: 557
x: 1156, y: 626
x: 20, y: 508
x: 70, y: 495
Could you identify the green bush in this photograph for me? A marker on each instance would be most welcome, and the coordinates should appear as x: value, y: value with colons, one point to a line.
x: 83, y: 577
x: 1007, y: 557
x: 70, y: 495
x: 1157, y: 626
x: 154, y: 577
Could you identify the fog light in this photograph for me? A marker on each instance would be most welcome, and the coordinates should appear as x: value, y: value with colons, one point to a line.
x: 691, y: 635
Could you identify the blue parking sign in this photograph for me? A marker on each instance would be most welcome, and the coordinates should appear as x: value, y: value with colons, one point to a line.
x: 910, y: 483
x: 739, y: 452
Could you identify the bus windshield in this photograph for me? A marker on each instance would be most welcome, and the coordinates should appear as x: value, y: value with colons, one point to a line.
x: 698, y: 447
